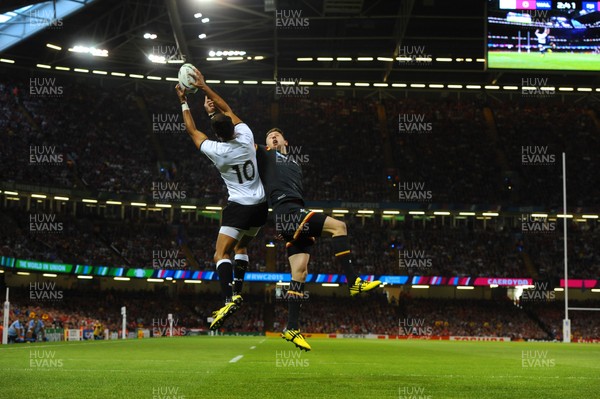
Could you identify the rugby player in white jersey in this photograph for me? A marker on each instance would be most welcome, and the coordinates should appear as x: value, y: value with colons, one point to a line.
x: 246, y: 212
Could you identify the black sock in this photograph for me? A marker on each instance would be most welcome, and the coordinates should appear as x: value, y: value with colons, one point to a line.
x: 341, y: 249
x: 294, y: 304
x: 225, y: 272
x: 241, y: 265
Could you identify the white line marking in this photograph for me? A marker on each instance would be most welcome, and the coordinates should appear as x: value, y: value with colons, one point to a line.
x: 253, y: 347
x: 235, y: 359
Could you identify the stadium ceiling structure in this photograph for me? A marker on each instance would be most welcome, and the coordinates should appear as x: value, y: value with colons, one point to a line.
x: 386, y: 41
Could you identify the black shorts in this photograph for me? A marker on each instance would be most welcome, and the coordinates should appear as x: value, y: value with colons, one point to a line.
x: 244, y: 217
x: 298, y: 226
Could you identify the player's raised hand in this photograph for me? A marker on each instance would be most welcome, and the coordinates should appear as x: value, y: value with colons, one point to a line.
x: 209, y: 105
x: 198, y: 79
x: 180, y: 93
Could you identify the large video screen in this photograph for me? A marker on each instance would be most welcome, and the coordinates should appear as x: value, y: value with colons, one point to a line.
x: 543, y: 34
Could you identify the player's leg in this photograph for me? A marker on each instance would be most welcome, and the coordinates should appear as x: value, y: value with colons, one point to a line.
x: 341, y: 249
x: 298, y: 256
x: 226, y: 241
x: 249, y: 216
x: 241, y: 261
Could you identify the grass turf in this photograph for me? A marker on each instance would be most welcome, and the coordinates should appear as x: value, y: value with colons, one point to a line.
x: 201, y: 367
x: 552, y: 61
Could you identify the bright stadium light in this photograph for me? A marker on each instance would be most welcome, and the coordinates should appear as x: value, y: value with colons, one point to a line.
x: 58, y: 198
x: 158, y: 59
x: 420, y: 286
x: 198, y: 15
x: 96, y: 52
x: 330, y: 285
x: 205, y: 20
x: 53, y: 46
x: 202, y: 36
x: 192, y: 281
x: 465, y: 287
x: 23, y: 273
x: 121, y: 278
x: 52, y: 275
x: 85, y: 277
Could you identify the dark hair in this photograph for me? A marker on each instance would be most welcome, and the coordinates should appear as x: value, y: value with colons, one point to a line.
x: 222, y: 126
x: 275, y: 129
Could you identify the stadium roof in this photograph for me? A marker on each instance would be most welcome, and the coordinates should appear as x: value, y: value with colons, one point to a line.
x: 335, y: 40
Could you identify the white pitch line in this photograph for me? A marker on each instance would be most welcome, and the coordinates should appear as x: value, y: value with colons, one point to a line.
x: 253, y: 347
x: 235, y: 359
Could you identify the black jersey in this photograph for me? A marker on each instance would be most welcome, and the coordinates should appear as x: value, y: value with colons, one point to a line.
x: 281, y: 176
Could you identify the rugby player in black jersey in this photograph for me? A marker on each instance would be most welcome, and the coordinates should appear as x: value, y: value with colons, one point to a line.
x: 281, y: 176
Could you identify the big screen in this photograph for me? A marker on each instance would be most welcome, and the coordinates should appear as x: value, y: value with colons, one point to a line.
x: 543, y: 34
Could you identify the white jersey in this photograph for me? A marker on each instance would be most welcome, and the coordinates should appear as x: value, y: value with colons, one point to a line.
x: 541, y: 37
x: 236, y: 161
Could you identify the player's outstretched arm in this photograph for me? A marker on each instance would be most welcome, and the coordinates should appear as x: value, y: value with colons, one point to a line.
x: 217, y: 99
x: 190, y: 126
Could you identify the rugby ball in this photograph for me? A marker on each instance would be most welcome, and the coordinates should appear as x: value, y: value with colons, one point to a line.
x: 186, y: 78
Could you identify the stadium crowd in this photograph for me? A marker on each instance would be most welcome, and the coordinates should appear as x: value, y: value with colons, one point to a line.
x: 379, y: 246
x: 455, y: 154
x: 374, y: 314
